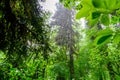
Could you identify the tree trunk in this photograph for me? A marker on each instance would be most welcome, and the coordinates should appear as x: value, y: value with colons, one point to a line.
x: 71, y: 63
x: 45, y: 56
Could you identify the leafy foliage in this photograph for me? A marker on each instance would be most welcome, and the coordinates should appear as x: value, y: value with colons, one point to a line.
x: 28, y: 49
x: 102, y: 8
x: 21, y: 27
x: 104, y: 12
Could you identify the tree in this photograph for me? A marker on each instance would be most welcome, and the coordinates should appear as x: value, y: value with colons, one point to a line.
x: 22, y: 26
x: 66, y: 34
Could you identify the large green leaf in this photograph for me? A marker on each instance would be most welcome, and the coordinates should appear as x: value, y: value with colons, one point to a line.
x: 117, y: 4
x: 103, y: 36
x: 103, y: 39
x: 87, y: 2
x: 83, y: 12
x: 105, y: 19
x: 110, y: 4
x: 86, y: 9
x: 98, y: 3
x: 106, y: 31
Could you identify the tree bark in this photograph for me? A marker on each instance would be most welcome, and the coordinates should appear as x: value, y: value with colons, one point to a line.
x: 71, y: 63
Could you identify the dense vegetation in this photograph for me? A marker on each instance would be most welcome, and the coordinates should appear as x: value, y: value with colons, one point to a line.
x: 33, y: 49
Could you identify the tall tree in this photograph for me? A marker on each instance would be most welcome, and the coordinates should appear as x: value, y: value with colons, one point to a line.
x: 63, y: 18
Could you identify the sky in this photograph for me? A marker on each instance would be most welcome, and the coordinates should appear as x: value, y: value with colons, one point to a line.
x: 50, y: 5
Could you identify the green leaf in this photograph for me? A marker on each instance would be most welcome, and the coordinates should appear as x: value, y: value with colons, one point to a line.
x: 98, y: 3
x: 110, y: 4
x: 117, y: 4
x: 92, y: 22
x: 106, y: 31
x: 116, y: 39
x: 93, y: 18
x: 83, y: 12
x: 95, y: 15
x: 105, y: 19
x: 103, y: 36
x: 87, y: 2
x: 103, y: 39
